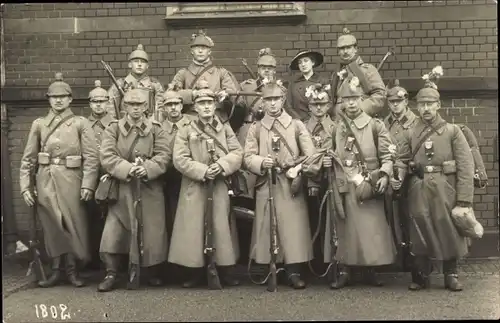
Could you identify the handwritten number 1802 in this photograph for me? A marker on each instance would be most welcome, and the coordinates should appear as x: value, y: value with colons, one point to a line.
x: 44, y: 311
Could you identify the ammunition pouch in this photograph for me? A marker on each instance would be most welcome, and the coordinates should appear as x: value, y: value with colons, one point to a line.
x: 43, y: 158
x: 449, y: 167
x: 107, y: 190
x: 73, y: 161
x: 480, y: 178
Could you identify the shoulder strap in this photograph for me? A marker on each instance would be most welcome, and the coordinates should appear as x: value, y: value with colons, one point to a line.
x: 216, y: 141
x: 197, y: 77
x: 44, y: 142
x: 425, y: 137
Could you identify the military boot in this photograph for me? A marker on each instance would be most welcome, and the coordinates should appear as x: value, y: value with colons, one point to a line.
x: 451, y: 276
x: 371, y: 278
x: 111, y: 262
x: 293, y: 271
x: 228, y: 276
x: 71, y: 271
x: 342, y: 279
x: 55, y: 276
x: 420, y: 272
x: 195, y: 277
x: 154, y: 276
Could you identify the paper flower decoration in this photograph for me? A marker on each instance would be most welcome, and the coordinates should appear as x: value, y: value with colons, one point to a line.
x: 354, y: 83
x: 401, y: 93
x: 392, y: 149
x: 279, y: 82
x: 342, y: 74
x: 265, y: 80
x: 438, y: 70
x: 310, y: 91
x: 317, y: 91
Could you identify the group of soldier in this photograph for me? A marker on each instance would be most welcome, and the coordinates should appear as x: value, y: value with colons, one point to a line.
x: 166, y: 153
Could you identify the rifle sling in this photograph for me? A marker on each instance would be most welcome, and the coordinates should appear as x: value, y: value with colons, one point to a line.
x: 200, y: 74
x: 283, y: 139
x: 216, y: 141
x: 44, y: 142
x: 425, y: 137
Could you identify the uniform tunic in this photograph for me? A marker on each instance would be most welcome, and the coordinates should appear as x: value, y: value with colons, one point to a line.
x: 374, y: 100
x: 294, y: 234
x: 432, y: 198
x: 172, y: 178
x: 364, y: 236
x: 218, y: 78
x: 297, y: 104
x: 150, y: 85
x: 120, y: 222
x: 192, y: 159
x: 61, y: 213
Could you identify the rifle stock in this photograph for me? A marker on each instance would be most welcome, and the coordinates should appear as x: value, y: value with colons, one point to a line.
x: 333, y: 273
x: 135, y: 269
x: 249, y: 70
x: 272, y: 283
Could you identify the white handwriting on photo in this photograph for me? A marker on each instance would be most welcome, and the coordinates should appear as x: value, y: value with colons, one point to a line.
x: 60, y: 311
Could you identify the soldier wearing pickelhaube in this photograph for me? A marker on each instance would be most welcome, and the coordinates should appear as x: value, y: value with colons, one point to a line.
x: 296, y: 102
x: 399, y: 121
x: 192, y: 158
x: 351, y: 65
x: 135, y: 148
x: 219, y: 79
x: 291, y: 207
x: 61, y: 147
x: 99, y: 120
x: 364, y: 147
x: 138, y: 79
x: 441, y: 170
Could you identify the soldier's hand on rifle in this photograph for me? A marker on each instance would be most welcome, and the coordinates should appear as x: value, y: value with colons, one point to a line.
x: 216, y: 168
x: 396, y: 184
x: 140, y: 172
x: 86, y: 194
x: 327, y: 162
x: 382, y: 184
x: 28, y: 198
x: 267, y: 163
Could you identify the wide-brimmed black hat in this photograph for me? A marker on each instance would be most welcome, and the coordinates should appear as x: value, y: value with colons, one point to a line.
x: 318, y: 59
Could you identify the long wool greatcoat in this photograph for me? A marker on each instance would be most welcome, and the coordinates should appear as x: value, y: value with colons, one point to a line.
x: 432, y: 198
x: 192, y: 159
x: 61, y: 213
x: 99, y: 125
x: 365, y: 237
x: 294, y: 234
x: 120, y: 222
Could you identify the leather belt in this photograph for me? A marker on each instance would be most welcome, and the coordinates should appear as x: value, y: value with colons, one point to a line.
x: 58, y: 161
x: 433, y: 169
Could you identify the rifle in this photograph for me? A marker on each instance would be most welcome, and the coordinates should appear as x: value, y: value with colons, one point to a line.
x: 108, y: 69
x: 403, y: 223
x: 135, y: 269
x: 386, y: 56
x: 334, y: 241
x: 272, y: 283
x: 36, y: 264
x: 249, y: 70
x: 209, y: 247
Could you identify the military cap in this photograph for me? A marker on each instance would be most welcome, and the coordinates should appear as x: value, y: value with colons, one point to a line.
x: 59, y: 87
x: 346, y: 39
x: 266, y: 58
x: 139, y: 53
x: 397, y: 92
x: 134, y: 96
x: 430, y: 93
x: 427, y: 94
x: 273, y: 89
x: 316, y: 56
x: 98, y: 94
x: 170, y: 96
x: 318, y: 93
x: 201, y: 39
x: 351, y: 88
x: 202, y: 91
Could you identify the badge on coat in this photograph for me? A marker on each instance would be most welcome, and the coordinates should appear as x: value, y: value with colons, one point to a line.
x: 318, y: 141
x: 349, y: 143
x: 429, y: 148
x: 348, y: 162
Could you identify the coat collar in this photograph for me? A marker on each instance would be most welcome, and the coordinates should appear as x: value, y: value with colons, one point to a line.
x: 51, y: 116
x: 130, y: 79
x: 435, y: 122
x: 195, y: 69
x: 144, y: 126
x: 284, y: 118
x: 314, y: 78
x: 216, y: 125
x: 169, y: 126
x: 326, y: 123
x: 405, y: 121
x: 361, y: 120
x: 104, y: 120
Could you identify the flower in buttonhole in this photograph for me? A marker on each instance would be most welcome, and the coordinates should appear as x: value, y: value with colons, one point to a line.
x: 279, y: 82
x: 354, y: 83
x: 342, y: 74
x: 265, y: 80
x: 310, y: 91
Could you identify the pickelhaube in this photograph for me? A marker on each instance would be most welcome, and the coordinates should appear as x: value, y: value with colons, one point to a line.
x: 273, y: 89
x: 59, y: 87
x: 266, y: 58
x: 346, y: 39
x: 430, y: 93
x: 397, y: 92
x: 201, y: 39
x: 139, y: 53
x: 98, y: 94
x: 351, y: 88
x: 134, y: 96
x: 170, y: 96
x: 202, y: 91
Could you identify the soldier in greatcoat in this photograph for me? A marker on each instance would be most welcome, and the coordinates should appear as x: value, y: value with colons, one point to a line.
x: 399, y: 121
x: 364, y: 146
x: 62, y: 147
x: 291, y: 209
x: 193, y: 160
x: 351, y: 65
x: 219, y: 79
x: 296, y: 101
x: 123, y: 142
x: 440, y: 166
x: 99, y: 120
x: 138, y: 63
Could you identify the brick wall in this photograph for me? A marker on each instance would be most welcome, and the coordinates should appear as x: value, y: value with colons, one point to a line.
x: 73, y: 37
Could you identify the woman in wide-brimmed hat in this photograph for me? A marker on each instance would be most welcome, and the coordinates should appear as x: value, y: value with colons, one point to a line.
x: 305, y: 62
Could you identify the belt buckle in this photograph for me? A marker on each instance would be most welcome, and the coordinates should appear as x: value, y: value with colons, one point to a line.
x: 56, y: 160
x: 429, y: 168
